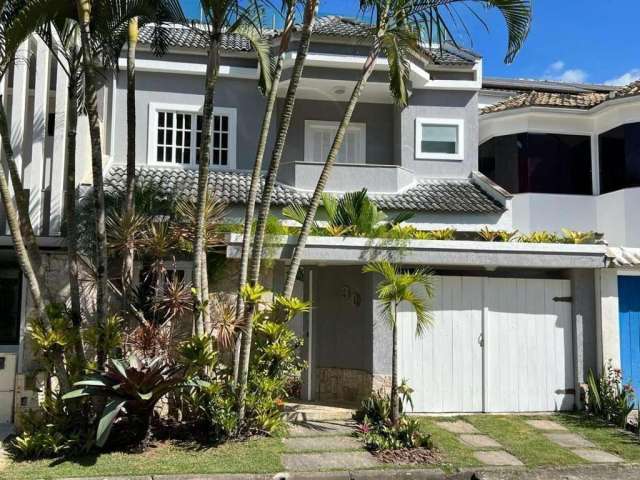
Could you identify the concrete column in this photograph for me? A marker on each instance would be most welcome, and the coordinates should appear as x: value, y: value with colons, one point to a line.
x: 584, y: 326
x: 58, y: 161
x: 19, y: 102
x: 34, y: 171
x: 607, y: 317
x: 308, y: 392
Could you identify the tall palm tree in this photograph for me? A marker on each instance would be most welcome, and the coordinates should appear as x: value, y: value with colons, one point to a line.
x: 395, y: 288
x: 18, y: 20
x: 289, y: 10
x: 221, y: 17
x: 310, y: 11
x: 62, y: 36
x: 398, y: 32
x: 159, y: 14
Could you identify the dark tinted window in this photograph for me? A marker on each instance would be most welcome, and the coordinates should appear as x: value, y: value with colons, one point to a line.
x: 538, y: 163
x: 620, y: 158
x: 10, y: 301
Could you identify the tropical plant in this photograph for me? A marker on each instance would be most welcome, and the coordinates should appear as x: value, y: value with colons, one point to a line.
x: 133, y: 386
x: 353, y: 213
x: 398, y: 31
x: 496, y: 235
x: 18, y: 19
x: 253, y: 275
x: 573, y: 236
x: 221, y: 17
x: 441, y: 234
x: 397, y: 287
x: 539, y: 237
x: 607, y: 397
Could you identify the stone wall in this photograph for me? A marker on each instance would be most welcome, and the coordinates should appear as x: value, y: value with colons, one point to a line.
x: 343, y: 384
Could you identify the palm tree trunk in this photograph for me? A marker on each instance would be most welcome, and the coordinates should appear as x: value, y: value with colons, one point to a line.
x: 91, y: 104
x: 70, y: 215
x: 255, y: 182
x: 326, y: 170
x: 265, y: 201
x: 200, y: 277
x: 127, y: 264
x: 31, y: 275
x: 395, y: 400
x: 21, y: 198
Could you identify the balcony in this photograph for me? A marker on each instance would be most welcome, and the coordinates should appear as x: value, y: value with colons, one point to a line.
x: 347, y: 177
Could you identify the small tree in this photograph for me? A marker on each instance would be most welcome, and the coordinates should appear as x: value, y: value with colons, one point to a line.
x: 395, y: 288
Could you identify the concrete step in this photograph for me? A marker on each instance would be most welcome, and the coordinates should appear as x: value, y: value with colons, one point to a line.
x: 311, y: 412
x: 330, y: 428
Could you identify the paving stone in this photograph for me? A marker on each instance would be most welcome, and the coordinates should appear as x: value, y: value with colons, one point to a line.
x: 311, y: 462
x: 458, y: 427
x: 569, y: 440
x: 323, y: 443
x: 315, y: 429
x: 479, y: 441
x: 497, y: 458
x: 596, y: 456
x: 546, y: 425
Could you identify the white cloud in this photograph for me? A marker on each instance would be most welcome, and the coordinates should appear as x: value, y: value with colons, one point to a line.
x: 557, y: 66
x: 573, y: 75
x: 626, y: 78
x: 558, y: 72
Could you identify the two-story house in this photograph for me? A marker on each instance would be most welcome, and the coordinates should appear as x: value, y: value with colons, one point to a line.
x: 517, y: 325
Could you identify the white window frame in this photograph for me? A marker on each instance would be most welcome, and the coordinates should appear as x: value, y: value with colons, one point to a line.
x: 152, y: 135
x: 451, y: 122
x: 361, y: 128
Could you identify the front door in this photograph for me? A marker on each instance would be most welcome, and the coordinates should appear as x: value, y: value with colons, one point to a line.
x: 629, y: 297
x: 10, y: 287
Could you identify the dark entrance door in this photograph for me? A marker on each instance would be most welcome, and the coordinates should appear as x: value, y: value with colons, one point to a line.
x: 10, y: 288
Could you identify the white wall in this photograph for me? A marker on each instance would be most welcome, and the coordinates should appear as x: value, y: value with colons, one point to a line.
x: 613, y: 214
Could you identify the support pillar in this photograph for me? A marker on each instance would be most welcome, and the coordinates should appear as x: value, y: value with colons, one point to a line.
x: 607, y: 317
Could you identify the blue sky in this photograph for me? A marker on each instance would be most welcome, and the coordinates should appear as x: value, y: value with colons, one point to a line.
x: 594, y: 41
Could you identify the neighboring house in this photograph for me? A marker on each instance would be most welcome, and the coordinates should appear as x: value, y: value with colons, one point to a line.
x: 516, y: 325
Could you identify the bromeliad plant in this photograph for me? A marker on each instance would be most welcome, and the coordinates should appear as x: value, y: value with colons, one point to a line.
x: 132, y: 387
x: 352, y: 214
x: 607, y: 396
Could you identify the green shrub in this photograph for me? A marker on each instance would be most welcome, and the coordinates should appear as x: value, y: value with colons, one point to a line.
x: 539, y: 237
x: 496, y: 235
x: 573, y: 236
x: 608, y: 398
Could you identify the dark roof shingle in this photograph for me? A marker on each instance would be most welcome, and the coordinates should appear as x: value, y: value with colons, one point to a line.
x: 435, y: 196
x: 329, y: 26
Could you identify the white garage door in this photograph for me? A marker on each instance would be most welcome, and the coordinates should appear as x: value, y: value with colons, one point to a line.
x: 499, y: 345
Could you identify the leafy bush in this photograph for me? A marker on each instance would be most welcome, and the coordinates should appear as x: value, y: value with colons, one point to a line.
x: 49, y: 432
x: 497, y: 235
x: 442, y: 234
x: 133, y: 387
x: 378, y: 431
x: 539, y: 237
x: 572, y: 236
x: 608, y: 398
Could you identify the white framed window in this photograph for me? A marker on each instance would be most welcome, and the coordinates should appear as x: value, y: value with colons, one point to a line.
x: 175, y: 132
x: 439, y: 139
x: 319, y: 135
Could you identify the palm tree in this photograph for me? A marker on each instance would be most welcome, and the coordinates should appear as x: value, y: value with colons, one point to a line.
x: 18, y: 20
x: 222, y: 17
x: 395, y: 288
x: 62, y: 36
x: 310, y: 11
x: 398, y: 31
x: 158, y: 14
x: 289, y: 7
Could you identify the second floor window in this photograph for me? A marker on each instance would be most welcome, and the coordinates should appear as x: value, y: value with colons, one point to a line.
x: 319, y: 136
x: 175, y: 134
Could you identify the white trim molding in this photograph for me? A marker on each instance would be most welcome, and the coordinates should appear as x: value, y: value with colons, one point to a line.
x: 360, y: 129
x: 189, y: 68
x: 453, y: 122
x: 194, y: 110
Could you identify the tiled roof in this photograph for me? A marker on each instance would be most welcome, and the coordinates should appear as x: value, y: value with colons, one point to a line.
x: 436, y: 196
x: 581, y: 101
x: 547, y: 99
x: 521, y: 85
x: 329, y: 26
x: 186, y: 37
x: 629, y: 91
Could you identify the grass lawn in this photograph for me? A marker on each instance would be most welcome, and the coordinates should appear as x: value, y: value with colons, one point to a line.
x: 254, y: 456
x: 528, y: 444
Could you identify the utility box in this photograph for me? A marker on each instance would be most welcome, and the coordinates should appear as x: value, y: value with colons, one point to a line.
x: 7, y: 386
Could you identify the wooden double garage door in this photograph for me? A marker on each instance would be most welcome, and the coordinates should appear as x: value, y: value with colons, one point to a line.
x: 496, y: 345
